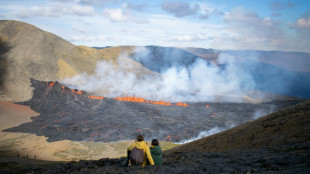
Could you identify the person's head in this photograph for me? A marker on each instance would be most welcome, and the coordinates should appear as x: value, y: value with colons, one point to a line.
x: 140, y: 138
x: 155, y: 142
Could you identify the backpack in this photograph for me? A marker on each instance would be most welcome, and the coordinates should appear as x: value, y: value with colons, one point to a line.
x: 136, y: 156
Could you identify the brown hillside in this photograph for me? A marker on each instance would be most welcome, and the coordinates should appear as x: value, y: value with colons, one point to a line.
x: 29, y: 52
x: 289, y: 125
x: 32, y: 53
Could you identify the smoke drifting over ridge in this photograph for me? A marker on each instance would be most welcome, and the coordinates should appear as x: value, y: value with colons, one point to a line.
x: 180, y: 76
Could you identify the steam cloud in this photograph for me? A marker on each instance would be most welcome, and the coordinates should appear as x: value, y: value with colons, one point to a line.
x: 209, y: 132
x: 178, y: 77
x: 175, y: 75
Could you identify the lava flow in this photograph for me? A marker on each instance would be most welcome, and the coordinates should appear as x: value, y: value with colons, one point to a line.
x: 64, y: 115
x: 159, y: 103
x: 96, y: 97
x: 51, y: 84
x: 127, y: 98
x: 76, y: 91
x: 181, y: 104
x: 131, y: 99
x: 142, y: 100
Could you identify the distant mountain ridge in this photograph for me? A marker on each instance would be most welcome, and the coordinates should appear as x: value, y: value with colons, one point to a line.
x: 29, y: 52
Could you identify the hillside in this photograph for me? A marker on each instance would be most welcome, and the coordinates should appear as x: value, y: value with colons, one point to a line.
x: 290, y: 125
x: 29, y: 52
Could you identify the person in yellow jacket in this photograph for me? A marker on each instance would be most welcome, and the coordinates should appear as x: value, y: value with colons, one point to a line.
x: 140, y: 144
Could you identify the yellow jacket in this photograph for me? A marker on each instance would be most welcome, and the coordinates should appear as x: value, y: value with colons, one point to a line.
x: 146, y: 150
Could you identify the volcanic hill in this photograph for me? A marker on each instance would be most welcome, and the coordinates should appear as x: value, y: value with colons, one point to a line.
x: 29, y: 52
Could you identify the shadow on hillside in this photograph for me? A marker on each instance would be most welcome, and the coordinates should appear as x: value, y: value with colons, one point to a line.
x: 4, y: 48
x: 286, y: 158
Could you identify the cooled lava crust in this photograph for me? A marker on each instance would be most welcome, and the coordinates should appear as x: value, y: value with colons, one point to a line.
x: 70, y: 114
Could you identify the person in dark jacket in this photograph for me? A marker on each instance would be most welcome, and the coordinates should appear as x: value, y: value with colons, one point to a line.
x: 156, y: 152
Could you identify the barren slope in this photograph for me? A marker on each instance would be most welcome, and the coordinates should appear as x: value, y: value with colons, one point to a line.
x: 290, y: 125
x: 29, y: 52
x: 32, y: 53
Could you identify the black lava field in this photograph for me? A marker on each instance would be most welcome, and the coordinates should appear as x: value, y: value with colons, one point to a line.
x: 68, y: 114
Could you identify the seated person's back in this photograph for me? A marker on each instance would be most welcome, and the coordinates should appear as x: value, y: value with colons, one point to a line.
x: 136, y: 150
x: 156, y: 152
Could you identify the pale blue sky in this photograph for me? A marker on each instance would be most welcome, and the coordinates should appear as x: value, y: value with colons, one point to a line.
x: 219, y: 24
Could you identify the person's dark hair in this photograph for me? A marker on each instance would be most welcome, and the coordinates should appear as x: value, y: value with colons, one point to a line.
x: 140, y: 138
x: 155, y: 142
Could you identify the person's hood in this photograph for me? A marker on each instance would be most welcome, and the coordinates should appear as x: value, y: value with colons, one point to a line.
x: 140, y: 145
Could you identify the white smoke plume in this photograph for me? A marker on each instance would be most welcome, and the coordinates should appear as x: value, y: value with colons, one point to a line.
x: 209, y: 132
x: 199, y: 80
x: 260, y: 112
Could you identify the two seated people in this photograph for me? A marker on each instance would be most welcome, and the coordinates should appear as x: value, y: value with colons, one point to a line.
x: 139, y: 152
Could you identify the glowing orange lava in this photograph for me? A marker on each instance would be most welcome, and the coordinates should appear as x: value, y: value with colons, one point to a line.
x: 52, y: 84
x: 160, y: 103
x: 76, y: 91
x: 142, y: 100
x: 181, y: 104
x: 127, y: 98
x: 96, y: 97
x: 132, y: 99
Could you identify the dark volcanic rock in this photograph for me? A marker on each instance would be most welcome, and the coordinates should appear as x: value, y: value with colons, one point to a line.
x: 287, y: 158
x: 64, y: 114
